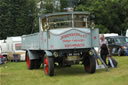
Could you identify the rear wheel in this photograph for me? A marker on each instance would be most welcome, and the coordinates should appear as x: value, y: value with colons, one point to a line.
x: 30, y: 63
x: 90, y: 64
x: 49, y: 65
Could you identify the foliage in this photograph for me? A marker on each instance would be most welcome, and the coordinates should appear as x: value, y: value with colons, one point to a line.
x: 49, y: 6
x: 110, y: 14
x: 17, y: 17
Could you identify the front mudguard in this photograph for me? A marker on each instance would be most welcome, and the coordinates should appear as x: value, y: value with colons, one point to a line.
x: 48, y: 53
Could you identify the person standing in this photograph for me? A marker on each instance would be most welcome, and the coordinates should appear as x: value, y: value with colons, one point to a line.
x: 103, y: 49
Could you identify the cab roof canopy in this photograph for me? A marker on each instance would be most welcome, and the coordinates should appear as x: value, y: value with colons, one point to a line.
x: 64, y: 13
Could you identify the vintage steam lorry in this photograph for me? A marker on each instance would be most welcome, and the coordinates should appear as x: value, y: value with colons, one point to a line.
x: 64, y: 39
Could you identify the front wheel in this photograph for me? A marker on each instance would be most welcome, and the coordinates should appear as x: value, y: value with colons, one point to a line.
x: 49, y: 65
x: 90, y: 64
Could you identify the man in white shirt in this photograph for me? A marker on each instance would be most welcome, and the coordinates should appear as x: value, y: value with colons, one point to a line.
x: 103, y: 49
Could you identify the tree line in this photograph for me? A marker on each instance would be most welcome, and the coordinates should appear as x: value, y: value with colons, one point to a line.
x: 20, y: 17
x: 17, y: 17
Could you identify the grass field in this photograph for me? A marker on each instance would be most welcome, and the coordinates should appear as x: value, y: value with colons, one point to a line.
x: 18, y: 74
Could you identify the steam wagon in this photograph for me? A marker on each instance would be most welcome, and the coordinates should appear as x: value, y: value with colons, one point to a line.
x: 64, y: 39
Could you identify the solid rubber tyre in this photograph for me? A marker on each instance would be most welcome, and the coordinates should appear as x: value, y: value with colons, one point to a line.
x: 48, y: 65
x: 30, y: 63
x: 90, y: 64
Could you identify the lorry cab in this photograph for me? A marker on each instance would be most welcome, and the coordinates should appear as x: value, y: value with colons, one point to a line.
x: 64, y: 20
x: 67, y: 30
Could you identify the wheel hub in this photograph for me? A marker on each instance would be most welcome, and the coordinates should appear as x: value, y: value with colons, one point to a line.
x: 46, y: 65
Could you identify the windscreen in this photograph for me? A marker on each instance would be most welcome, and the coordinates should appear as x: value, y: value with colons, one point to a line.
x: 122, y: 40
x: 65, y: 21
x: 62, y: 21
x: 80, y: 20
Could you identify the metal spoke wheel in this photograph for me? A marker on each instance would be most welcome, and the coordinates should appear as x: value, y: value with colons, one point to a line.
x: 90, y: 64
x: 49, y: 65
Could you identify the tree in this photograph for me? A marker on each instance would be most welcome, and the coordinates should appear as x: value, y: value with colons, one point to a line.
x: 49, y: 6
x: 110, y: 15
x: 17, y: 17
x: 124, y: 14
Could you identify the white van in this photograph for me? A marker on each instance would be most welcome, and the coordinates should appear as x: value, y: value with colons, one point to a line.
x: 13, y: 48
x: 126, y: 33
x: 110, y: 34
x: 3, y: 48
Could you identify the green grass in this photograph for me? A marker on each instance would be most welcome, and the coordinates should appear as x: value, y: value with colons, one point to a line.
x: 18, y: 74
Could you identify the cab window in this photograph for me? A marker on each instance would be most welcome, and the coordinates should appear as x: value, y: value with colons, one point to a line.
x: 64, y: 21
x: 80, y: 20
x: 110, y: 41
x: 127, y: 39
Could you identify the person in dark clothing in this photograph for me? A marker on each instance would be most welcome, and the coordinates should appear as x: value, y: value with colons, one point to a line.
x: 103, y: 49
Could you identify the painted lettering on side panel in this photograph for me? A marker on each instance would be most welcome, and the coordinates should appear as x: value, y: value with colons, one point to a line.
x: 74, y: 45
x: 73, y: 34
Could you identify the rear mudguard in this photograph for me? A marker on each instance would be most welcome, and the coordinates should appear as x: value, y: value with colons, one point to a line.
x: 33, y: 54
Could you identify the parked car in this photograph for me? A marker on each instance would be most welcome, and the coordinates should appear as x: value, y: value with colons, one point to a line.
x: 118, y: 45
x: 3, y: 59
